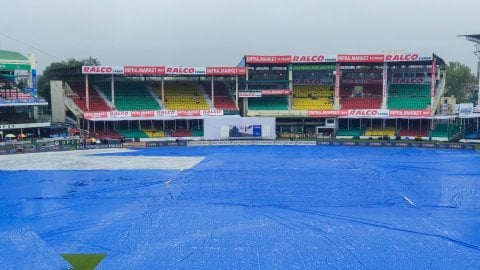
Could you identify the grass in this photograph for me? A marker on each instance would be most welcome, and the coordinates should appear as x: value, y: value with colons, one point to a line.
x: 84, y: 261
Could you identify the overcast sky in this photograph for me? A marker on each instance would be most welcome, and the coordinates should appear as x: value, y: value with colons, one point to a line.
x: 216, y: 32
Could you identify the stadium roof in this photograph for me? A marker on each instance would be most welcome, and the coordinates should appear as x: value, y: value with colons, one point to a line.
x: 474, y: 38
x: 10, y: 56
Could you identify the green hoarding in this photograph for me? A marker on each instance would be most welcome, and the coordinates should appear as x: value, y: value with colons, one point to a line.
x: 313, y: 67
x: 15, y: 67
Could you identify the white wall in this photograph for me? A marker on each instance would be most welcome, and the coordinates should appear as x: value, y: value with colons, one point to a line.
x: 218, y: 128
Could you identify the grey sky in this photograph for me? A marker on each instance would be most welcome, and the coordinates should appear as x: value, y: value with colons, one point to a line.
x: 216, y: 32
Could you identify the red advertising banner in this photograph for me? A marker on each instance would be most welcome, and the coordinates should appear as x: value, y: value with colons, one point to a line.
x: 360, y: 58
x: 102, y: 69
x: 268, y: 59
x: 362, y: 81
x: 143, y: 113
x: 93, y: 115
x: 189, y: 113
x: 222, y: 71
x: 185, y: 70
x: 410, y: 113
x: 143, y: 70
x: 279, y: 92
x: 327, y: 113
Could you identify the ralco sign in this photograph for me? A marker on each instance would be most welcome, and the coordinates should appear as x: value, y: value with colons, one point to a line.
x: 308, y: 59
x: 102, y: 70
x: 401, y: 57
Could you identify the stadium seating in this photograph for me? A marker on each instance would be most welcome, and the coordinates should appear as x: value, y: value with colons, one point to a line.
x: 409, y: 96
x: 130, y: 96
x: 222, y: 99
x: 153, y: 133
x: 268, y: 103
x: 96, y: 102
x: 182, y: 96
x: 412, y: 133
x: 105, y: 134
x: 445, y: 130
x: 312, y: 97
x: 132, y: 133
x: 388, y: 131
x: 350, y: 132
x: 360, y: 103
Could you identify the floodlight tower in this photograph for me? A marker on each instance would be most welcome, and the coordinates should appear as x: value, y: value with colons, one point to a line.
x: 476, y: 40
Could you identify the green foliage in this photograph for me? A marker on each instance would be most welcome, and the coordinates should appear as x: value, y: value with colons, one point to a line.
x: 458, y: 77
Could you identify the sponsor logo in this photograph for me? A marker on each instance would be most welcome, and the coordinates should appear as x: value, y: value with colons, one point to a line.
x: 212, y: 112
x: 408, y: 81
x: 308, y: 59
x: 263, y: 59
x: 249, y: 94
x: 143, y: 70
x: 276, y: 92
x: 143, y: 113
x: 377, y: 58
x: 102, y: 70
x: 226, y: 71
x: 401, y: 57
x: 184, y: 70
x: 410, y: 113
x: 368, y: 112
x: 120, y: 114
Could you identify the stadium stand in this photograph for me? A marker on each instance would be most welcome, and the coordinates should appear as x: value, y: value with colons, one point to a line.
x: 364, y: 97
x: 183, y: 96
x: 445, y: 130
x: 105, y: 134
x: 312, y: 97
x: 153, y: 133
x: 409, y: 96
x: 388, y: 131
x: 222, y: 99
x: 130, y: 95
x: 350, y: 132
x: 268, y: 103
x: 360, y: 103
x: 132, y: 133
x: 96, y: 102
x: 412, y: 133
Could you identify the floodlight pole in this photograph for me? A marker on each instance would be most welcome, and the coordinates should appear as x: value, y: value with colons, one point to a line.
x: 477, y: 53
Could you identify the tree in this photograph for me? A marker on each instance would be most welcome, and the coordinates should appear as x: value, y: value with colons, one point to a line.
x: 55, y: 69
x: 458, y: 77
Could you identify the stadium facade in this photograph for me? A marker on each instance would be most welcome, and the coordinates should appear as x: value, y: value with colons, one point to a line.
x: 393, y: 94
x: 22, y: 112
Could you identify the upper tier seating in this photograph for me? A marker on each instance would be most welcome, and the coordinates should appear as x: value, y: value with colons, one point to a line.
x: 268, y: 103
x: 312, y: 97
x: 182, y: 96
x: 130, y: 96
x: 361, y: 103
x: 222, y: 100
x: 96, y: 102
x: 409, y: 96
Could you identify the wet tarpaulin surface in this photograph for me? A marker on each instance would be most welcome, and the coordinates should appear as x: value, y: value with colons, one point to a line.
x: 248, y: 207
